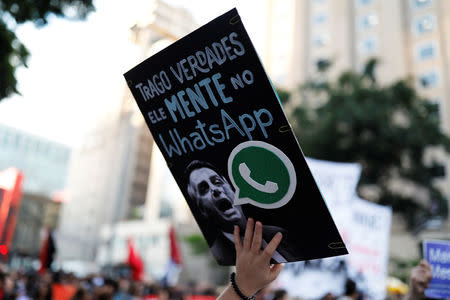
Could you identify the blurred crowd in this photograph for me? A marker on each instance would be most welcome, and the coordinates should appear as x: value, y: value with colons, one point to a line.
x: 66, y: 286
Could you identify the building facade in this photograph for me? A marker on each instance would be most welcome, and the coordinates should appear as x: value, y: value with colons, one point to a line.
x: 164, y: 204
x: 101, y: 184
x: 411, y: 39
x: 43, y: 162
x: 36, y: 213
x: 44, y: 165
x: 110, y: 174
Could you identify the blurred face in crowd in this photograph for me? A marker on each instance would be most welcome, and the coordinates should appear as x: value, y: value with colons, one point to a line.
x: 214, y: 196
x: 124, y: 285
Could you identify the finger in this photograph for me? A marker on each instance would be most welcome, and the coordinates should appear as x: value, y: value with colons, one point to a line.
x: 257, y: 237
x: 421, y: 281
x: 248, y: 234
x: 421, y: 287
x: 272, y: 246
x: 424, y: 264
x: 275, y: 270
x: 237, y: 239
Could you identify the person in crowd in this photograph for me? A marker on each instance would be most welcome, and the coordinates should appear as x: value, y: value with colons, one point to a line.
x: 351, y: 292
x: 123, y: 292
x: 213, y: 197
x: 419, y: 282
x: 280, y: 294
x: 8, y: 284
x: 328, y: 296
x: 81, y: 294
x: 253, y: 268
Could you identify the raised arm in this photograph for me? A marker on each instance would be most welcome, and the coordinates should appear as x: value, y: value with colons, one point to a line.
x: 253, y: 269
x: 420, y: 279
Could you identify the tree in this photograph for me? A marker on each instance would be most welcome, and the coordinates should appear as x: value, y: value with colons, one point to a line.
x: 13, y: 53
x: 387, y: 129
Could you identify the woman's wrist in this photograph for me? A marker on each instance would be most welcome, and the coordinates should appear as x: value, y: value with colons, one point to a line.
x: 246, y: 290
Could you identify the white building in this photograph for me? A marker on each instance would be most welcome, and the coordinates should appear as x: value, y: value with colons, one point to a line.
x: 120, y: 185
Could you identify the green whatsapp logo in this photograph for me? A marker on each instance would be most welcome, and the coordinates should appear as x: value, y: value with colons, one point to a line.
x: 261, y: 174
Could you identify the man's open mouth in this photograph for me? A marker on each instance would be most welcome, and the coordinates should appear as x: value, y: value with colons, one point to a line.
x: 225, y: 206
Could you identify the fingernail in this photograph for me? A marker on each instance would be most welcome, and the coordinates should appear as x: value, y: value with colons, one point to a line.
x: 279, y: 234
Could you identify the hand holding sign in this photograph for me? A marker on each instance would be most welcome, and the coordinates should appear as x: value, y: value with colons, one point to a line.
x: 437, y: 254
x: 420, y: 280
x: 253, y: 269
x: 212, y: 114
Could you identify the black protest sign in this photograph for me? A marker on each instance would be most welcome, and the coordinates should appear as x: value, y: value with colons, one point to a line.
x: 217, y: 120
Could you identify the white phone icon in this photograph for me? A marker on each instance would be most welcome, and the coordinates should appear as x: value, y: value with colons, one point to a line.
x: 269, y: 187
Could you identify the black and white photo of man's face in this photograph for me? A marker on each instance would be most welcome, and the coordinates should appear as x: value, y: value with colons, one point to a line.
x: 215, y: 195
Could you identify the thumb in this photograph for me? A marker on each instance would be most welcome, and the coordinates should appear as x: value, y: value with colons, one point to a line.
x: 276, y: 270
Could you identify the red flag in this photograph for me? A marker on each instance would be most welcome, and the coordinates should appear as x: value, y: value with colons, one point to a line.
x: 47, y: 252
x: 135, y: 262
x: 175, y: 253
x: 174, y: 266
x: 10, y: 196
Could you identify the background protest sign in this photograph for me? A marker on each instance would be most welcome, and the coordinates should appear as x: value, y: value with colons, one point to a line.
x: 216, y: 118
x: 365, y: 227
x: 437, y: 253
x: 369, y: 247
x: 337, y: 182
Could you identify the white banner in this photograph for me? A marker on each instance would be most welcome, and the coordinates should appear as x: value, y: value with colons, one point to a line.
x: 369, y: 247
x: 365, y: 228
x: 337, y: 183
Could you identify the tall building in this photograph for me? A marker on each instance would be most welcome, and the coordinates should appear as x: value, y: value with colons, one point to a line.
x: 165, y: 205
x: 110, y: 174
x: 44, y: 165
x: 411, y: 38
x: 98, y: 181
x: 43, y: 162
x: 301, y: 34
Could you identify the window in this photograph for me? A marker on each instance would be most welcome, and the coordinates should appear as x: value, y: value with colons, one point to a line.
x: 368, y: 45
x: 426, y: 51
x: 368, y: 21
x: 429, y: 79
x: 322, y: 64
x: 18, y: 141
x: 25, y: 144
x: 321, y: 39
x: 421, y: 3
x: 436, y: 114
x: 320, y: 18
x: 424, y: 24
x: 6, y: 136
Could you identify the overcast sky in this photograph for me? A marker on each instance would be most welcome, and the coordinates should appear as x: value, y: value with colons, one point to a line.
x: 75, y: 69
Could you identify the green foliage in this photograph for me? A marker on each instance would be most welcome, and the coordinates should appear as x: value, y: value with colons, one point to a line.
x: 197, y: 244
x: 283, y: 95
x: 401, y: 268
x: 13, y: 53
x: 386, y: 129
